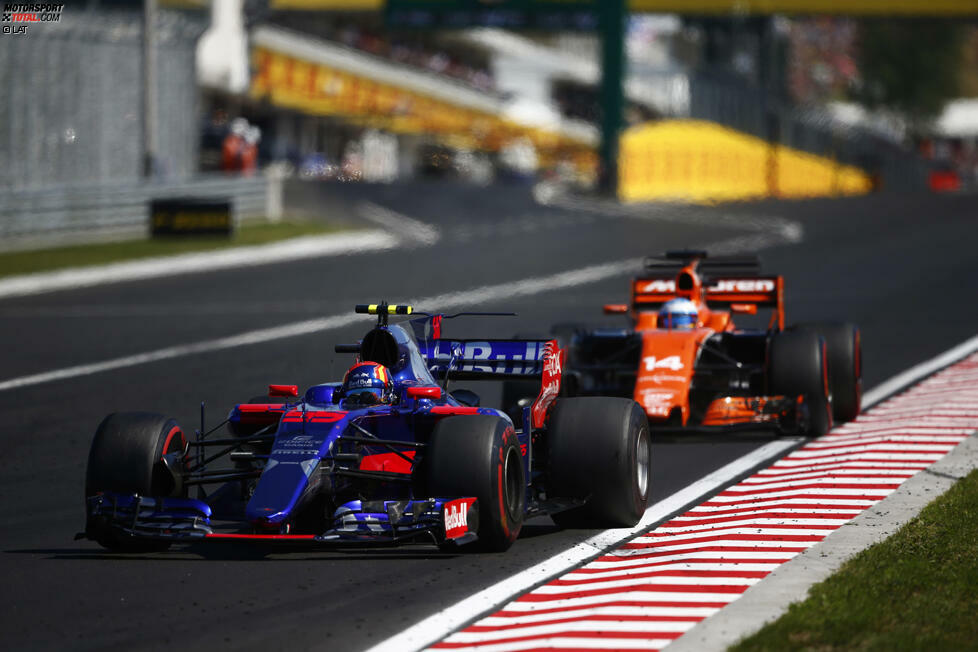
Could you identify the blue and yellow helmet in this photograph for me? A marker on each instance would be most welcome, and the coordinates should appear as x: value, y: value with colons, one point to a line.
x: 367, y: 383
x: 678, y: 313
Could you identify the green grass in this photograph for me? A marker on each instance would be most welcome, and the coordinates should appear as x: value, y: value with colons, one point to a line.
x: 917, y: 590
x: 26, y: 262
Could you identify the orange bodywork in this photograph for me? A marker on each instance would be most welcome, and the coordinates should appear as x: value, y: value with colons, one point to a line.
x: 731, y: 410
x: 669, y: 357
x: 666, y: 371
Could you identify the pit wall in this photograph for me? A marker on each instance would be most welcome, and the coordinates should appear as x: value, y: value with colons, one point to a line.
x: 703, y: 162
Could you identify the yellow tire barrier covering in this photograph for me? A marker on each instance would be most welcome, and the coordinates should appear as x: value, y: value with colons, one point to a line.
x: 691, y: 160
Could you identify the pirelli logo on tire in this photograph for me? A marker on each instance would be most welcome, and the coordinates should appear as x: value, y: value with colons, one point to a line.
x: 190, y: 216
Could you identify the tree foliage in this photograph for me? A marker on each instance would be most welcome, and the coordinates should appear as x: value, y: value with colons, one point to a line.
x: 910, y: 66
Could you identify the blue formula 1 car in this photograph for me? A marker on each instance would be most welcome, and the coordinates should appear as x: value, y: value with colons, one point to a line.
x: 388, y: 456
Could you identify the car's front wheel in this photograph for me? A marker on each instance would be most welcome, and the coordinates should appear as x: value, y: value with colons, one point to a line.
x: 479, y: 455
x: 797, y: 365
x: 127, y: 456
x: 843, y: 348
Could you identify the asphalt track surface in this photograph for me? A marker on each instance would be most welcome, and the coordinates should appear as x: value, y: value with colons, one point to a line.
x: 901, y: 266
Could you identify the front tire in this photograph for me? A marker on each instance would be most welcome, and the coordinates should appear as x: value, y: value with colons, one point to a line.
x: 127, y: 457
x: 600, y: 450
x: 480, y: 456
x: 797, y: 365
x: 843, y: 345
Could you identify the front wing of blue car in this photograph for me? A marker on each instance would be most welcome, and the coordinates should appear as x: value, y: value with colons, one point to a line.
x: 377, y: 522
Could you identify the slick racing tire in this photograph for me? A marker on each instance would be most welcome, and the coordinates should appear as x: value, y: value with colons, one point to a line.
x: 797, y: 365
x: 844, y: 352
x: 600, y: 450
x: 127, y: 457
x: 479, y: 455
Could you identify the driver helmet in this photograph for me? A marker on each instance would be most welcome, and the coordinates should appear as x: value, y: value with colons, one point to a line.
x: 678, y: 313
x: 367, y: 383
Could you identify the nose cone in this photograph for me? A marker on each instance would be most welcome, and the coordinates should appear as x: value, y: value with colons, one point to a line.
x: 278, y: 492
x: 266, y: 518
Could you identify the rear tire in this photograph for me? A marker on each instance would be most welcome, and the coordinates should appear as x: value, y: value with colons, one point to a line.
x: 797, y: 365
x: 844, y: 352
x: 480, y: 456
x: 600, y: 450
x: 126, y: 457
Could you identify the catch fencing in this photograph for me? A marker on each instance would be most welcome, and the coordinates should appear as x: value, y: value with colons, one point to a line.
x: 72, y: 107
x: 92, y: 212
x: 72, y: 131
x: 742, y: 106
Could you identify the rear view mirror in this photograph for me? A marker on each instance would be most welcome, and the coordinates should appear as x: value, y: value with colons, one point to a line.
x: 744, y: 308
x: 424, y: 392
x: 289, y: 391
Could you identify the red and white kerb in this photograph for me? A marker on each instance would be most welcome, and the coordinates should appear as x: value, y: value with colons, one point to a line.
x: 653, y: 589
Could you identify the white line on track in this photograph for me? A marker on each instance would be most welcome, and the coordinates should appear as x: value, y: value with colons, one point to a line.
x: 898, y: 382
x: 525, y: 287
x: 356, y: 242
x: 411, y: 230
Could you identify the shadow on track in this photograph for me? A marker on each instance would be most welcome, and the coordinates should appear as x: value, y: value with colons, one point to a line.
x: 284, y: 552
x: 693, y: 437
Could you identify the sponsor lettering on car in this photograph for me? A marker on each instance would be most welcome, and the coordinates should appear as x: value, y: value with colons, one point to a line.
x: 671, y: 362
x: 743, y: 285
x: 456, y: 517
x: 658, y: 286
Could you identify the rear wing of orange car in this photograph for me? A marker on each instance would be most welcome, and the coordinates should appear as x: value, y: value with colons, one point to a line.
x: 723, y: 283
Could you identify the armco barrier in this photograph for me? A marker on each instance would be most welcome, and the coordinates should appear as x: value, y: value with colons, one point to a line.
x: 693, y: 160
x: 90, y: 212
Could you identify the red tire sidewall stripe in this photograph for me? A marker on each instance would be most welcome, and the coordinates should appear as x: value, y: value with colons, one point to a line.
x: 175, y: 430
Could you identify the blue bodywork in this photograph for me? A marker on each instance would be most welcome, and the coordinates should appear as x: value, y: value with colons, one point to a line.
x: 338, y: 472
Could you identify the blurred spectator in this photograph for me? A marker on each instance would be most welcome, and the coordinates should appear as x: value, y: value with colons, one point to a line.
x: 317, y: 166
x: 822, y: 59
x: 249, y: 151
x: 239, y: 148
x: 234, y: 143
x: 413, y: 49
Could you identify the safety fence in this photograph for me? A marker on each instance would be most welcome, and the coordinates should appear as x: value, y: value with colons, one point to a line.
x: 86, y: 213
x: 71, y: 109
x: 743, y: 106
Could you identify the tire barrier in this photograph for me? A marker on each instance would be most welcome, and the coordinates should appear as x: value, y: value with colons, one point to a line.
x: 698, y: 161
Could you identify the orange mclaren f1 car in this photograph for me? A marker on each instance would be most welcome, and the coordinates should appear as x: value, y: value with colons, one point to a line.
x: 686, y: 363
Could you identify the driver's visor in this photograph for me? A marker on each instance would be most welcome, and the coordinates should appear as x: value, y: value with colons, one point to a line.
x: 365, y: 395
x: 678, y: 320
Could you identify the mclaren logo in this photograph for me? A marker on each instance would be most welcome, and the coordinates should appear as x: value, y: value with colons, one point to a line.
x: 658, y: 287
x: 743, y: 285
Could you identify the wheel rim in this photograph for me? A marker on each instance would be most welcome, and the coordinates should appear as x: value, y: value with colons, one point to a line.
x: 642, y: 456
x: 511, y: 482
